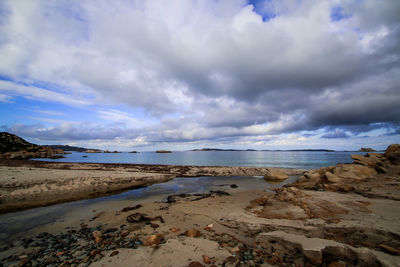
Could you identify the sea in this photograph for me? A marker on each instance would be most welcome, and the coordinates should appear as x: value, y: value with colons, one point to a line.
x: 281, y: 159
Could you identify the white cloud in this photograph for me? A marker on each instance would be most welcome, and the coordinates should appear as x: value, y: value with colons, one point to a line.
x: 33, y: 92
x: 6, y: 99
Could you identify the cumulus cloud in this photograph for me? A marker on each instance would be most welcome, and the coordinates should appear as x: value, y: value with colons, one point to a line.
x: 207, y: 69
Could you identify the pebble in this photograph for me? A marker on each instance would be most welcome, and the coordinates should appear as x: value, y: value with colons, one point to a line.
x: 73, y: 247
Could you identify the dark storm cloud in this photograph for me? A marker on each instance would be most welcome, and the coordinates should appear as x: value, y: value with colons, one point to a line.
x: 336, y: 134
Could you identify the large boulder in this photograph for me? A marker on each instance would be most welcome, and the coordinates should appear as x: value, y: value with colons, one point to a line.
x: 273, y: 175
x: 353, y: 171
x: 393, y: 152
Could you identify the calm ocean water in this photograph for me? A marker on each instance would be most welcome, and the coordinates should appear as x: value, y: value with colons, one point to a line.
x: 283, y: 159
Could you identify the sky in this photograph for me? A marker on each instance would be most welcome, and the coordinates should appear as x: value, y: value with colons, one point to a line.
x: 184, y: 74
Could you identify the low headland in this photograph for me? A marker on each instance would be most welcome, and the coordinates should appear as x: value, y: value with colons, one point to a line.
x: 343, y: 215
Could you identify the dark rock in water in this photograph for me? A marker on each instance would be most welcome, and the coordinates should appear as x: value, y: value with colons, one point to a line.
x: 234, y: 186
x: 84, y: 156
x: 131, y: 208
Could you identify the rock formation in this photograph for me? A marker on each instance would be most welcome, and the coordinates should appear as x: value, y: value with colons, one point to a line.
x: 273, y: 175
x: 338, y: 178
x: 14, y: 147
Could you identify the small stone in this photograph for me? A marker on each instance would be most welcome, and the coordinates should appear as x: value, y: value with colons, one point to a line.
x: 60, y: 253
x: 154, y: 225
x: 95, y: 252
x: 98, y: 237
x: 125, y: 233
x: 174, y: 229
x: 389, y: 249
x: 115, y: 252
x: 192, y: 233
x: 86, y: 259
x: 97, y: 257
x: 195, y: 264
x: 231, y: 261
x: 153, y: 240
x: 235, y: 249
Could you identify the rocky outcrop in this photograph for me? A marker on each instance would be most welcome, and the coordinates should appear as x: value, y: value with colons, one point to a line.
x: 12, y: 143
x: 338, y: 178
x: 14, y: 147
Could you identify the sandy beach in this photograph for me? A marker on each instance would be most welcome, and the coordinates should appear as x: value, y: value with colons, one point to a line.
x: 343, y: 215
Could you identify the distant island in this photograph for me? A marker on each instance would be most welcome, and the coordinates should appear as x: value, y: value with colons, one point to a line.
x: 163, y: 151
x: 220, y: 149
x: 68, y: 148
x: 366, y: 149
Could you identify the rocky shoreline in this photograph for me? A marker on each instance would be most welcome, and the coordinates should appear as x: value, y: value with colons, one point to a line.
x: 343, y: 215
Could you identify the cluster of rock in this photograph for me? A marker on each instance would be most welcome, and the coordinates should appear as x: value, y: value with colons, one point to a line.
x: 14, y: 147
x: 336, y: 178
x: 73, y: 247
